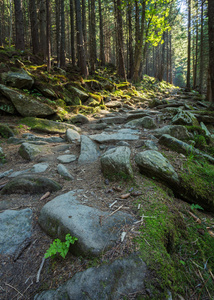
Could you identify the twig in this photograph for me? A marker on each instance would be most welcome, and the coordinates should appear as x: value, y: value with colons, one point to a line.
x: 195, y: 217
x: 114, y: 211
x: 147, y: 242
x: 12, y: 287
x: 40, y: 269
x: 211, y: 274
x: 204, y: 283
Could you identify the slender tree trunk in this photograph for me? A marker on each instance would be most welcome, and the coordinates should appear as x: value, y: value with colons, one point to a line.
x: 138, y: 49
x: 137, y: 26
x: 167, y: 56
x: 48, y: 34
x: 80, y: 42
x: 102, y: 55
x: 84, y: 25
x: 19, y: 23
x: 201, y: 50
x: 130, y: 42
x: 189, y: 46
x: 196, y: 51
x: 119, y: 30
x: 42, y: 25
x: 72, y: 32
x: 57, y: 16
x: 34, y: 26
x: 211, y: 47
x: 92, y: 36
x: 10, y: 24
x: 62, y: 44
x: 170, y: 56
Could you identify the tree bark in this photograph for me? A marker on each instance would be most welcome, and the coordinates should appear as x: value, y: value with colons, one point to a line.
x: 201, y: 49
x: 130, y: 42
x: 42, y: 26
x: 189, y: 46
x: 102, y: 54
x: 211, y: 47
x: 72, y: 32
x: 80, y: 43
x: 20, y: 43
x: 92, y: 37
x: 48, y: 35
x: 62, y: 44
x: 34, y: 26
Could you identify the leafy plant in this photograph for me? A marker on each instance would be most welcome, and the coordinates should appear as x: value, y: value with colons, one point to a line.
x: 196, y: 206
x: 60, y: 247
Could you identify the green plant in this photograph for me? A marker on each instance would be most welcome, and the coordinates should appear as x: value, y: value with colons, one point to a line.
x: 196, y: 206
x: 60, y: 247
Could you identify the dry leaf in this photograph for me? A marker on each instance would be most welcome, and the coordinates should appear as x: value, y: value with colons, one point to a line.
x: 46, y: 195
x: 125, y: 196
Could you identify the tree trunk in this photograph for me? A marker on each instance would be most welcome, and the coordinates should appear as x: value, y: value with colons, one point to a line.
x: 138, y: 49
x: 34, y: 26
x: 48, y: 34
x: 84, y: 26
x: 119, y: 31
x: 58, y: 39
x: 189, y: 46
x: 62, y: 44
x: 20, y: 43
x: 102, y: 55
x: 201, y: 49
x: 92, y: 36
x: 80, y: 43
x: 211, y: 47
x: 196, y: 51
x: 42, y: 25
x: 130, y: 42
x: 72, y: 32
x: 10, y: 25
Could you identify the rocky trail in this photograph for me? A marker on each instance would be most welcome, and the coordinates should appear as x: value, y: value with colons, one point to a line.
x: 100, y: 180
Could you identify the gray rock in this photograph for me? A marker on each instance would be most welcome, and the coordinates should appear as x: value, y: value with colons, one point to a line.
x: 114, y: 281
x: 154, y: 164
x: 116, y: 162
x: 6, y: 173
x: 18, y: 173
x: 80, y: 119
x: 77, y: 93
x: 67, y: 158
x: 150, y: 145
x: 26, y: 105
x: 113, y: 120
x: 145, y: 122
x: 30, y: 184
x: 39, y: 168
x: 122, y: 143
x: 113, y: 104
x: 32, y: 137
x: 114, y: 137
x: 88, y: 152
x: 184, y: 118
x: 29, y: 151
x: 96, y: 230
x: 72, y: 136
x: 63, y: 171
x: 15, y: 228
x: 178, y: 131
x: 204, y: 127
x: 182, y: 147
x: 99, y: 126
x: 6, y: 105
x: 20, y: 79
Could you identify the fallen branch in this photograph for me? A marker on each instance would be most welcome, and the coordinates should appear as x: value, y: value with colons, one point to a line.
x: 40, y: 269
x: 12, y: 287
x: 195, y: 217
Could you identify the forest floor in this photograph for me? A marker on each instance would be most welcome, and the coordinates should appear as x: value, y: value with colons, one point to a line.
x: 18, y: 277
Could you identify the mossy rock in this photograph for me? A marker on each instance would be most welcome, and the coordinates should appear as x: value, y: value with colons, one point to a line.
x: 123, y: 85
x: 5, y: 131
x: 46, y: 125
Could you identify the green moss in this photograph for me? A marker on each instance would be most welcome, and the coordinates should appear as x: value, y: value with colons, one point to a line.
x: 5, y: 131
x: 170, y: 244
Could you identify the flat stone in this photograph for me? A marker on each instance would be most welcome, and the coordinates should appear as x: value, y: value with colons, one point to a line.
x: 39, y: 168
x: 114, y: 120
x: 145, y: 122
x: 114, y: 137
x: 15, y: 228
x: 67, y: 158
x: 6, y: 173
x: 113, y: 281
x: 30, y: 184
x: 80, y: 119
x: 95, y: 229
x: 99, y: 126
x: 29, y: 151
x: 113, y: 104
x: 88, y: 151
x: 178, y: 131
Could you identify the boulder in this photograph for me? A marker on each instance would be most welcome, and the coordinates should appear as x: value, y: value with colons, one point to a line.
x: 66, y: 158
x: 29, y: 151
x: 120, y: 135
x: 47, y: 125
x: 27, y: 106
x: 184, y: 118
x: 116, y: 162
x: 19, y: 79
x: 113, y: 104
x: 79, y: 119
x: 145, y: 122
x: 114, y: 120
x: 7, y: 106
x: 75, y: 92
x: 63, y: 171
x: 95, y: 229
x: 5, y: 131
x: 178, y: 131
x: 113, y: 281
x: 15, y: 228
x: 72, y: 135
x: 30, y: 184
x: 153, y: 164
